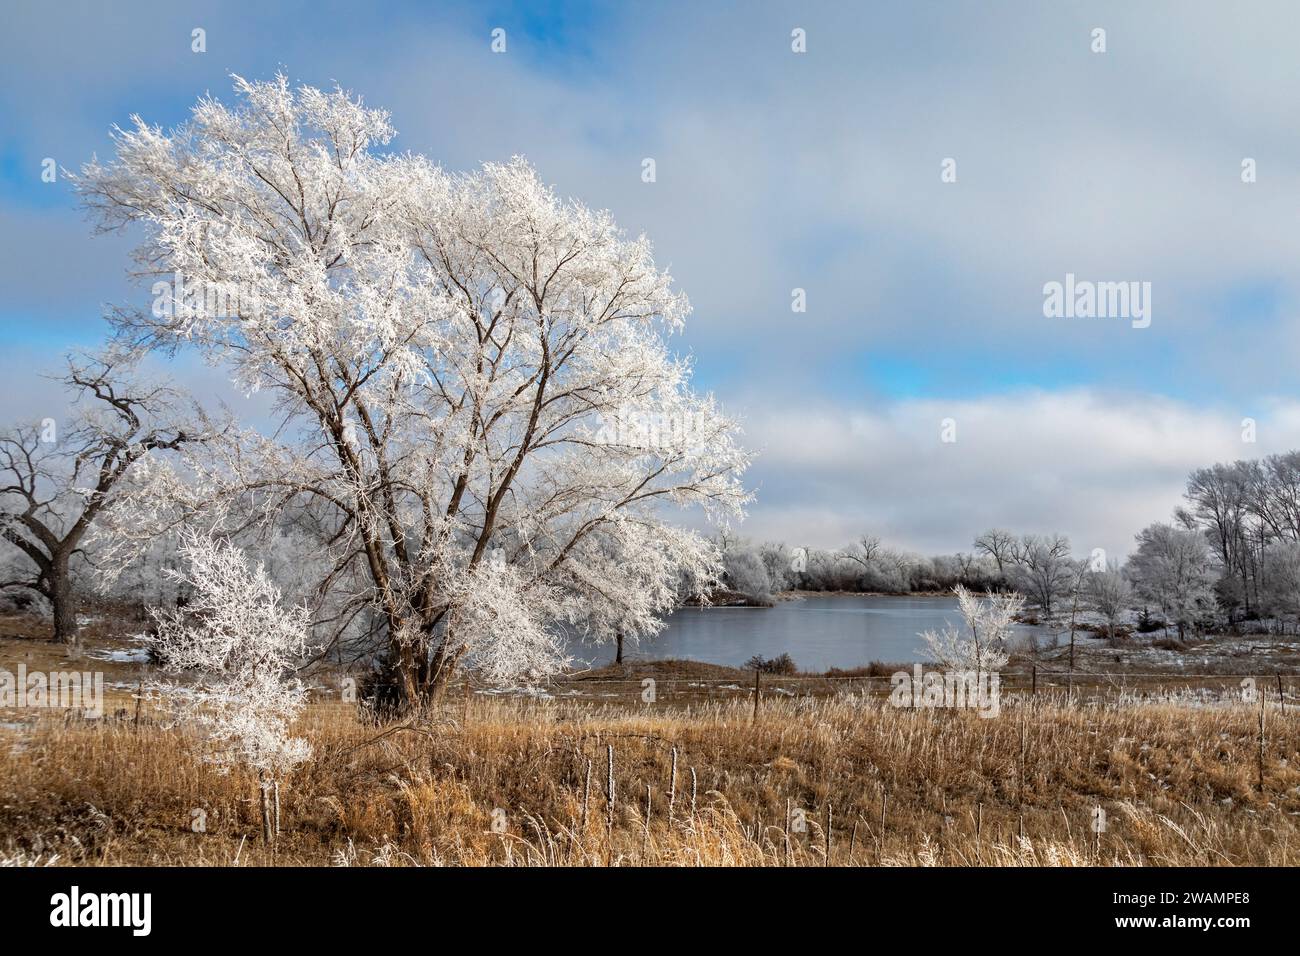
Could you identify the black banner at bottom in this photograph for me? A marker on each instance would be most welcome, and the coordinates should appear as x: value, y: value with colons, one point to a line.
x: 266, y: 906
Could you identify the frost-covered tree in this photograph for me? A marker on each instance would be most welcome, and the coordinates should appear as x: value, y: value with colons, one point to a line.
x: 780, y: 562
x: 1110, y: 594
x: 144, y: 583
x: 864, y: 552
x: 1280, y: 593
x: 1219, y: 501
x: 745, y: 572
x: 58, y: 478
x: 1002, y: 546
x: 1173, y: 569
x: 1243, y: 508
x: 467, y: 366
x: 982, y: 647
x: 238, y: 646
x: 1043, y: 569
x: 629, y: 587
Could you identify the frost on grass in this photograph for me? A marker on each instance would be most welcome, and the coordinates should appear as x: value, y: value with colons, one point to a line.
x: 24, y: 859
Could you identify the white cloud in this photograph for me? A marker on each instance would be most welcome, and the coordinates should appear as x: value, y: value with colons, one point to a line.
x: 1098, y: 467
x: 822, y: 171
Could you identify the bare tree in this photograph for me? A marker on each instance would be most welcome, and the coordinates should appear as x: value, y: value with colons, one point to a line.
x: 967, y: 565
x: 1078, y: 570
x: 1043, y: 569
x: 864, y: 552
x: 53, y: 487
x: 1218, y: 499
x: 1110, y: 593
x: 1002, y: 546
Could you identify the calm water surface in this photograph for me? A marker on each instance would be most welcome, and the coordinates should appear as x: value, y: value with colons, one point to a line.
x: 818, y: 632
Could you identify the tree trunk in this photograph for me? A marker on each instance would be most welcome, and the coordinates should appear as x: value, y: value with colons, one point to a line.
x: 406, y: 678
x: 441, y: 672
x: 63, y: 601
x: 618, y: 654
x: 264, y: 786
x: 437, y: 687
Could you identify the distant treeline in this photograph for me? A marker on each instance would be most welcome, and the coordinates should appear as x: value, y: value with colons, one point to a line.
x: 1230, y: 554
x: 762, y: 571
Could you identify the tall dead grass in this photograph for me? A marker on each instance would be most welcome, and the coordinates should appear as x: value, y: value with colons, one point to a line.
x: 508, y: 782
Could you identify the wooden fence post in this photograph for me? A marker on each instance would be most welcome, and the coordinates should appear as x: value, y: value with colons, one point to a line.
x: 586, y: 800
x: 609, y: 810
x: 1261, y: 741
x: 672, y: 788
x: 829, y: 818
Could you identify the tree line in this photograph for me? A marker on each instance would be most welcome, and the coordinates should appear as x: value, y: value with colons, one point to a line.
x: 1230, y: 554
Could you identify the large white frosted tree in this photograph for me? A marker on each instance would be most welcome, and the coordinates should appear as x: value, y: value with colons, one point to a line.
x: 474, y: 374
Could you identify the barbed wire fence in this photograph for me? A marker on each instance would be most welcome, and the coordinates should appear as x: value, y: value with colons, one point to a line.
x: 1275, y: 687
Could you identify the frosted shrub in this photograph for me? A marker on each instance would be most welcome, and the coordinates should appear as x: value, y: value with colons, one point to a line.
x: 981, y: 647
x: 242, y: 645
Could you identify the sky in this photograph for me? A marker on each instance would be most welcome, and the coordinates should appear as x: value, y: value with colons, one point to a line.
x: 778, y: 170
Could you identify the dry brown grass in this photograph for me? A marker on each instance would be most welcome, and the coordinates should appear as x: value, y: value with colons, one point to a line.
x: 1179, y: 786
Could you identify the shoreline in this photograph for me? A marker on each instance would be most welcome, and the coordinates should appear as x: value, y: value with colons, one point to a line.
x: 733, y: 599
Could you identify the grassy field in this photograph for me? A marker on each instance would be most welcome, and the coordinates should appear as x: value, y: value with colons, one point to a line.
x: 828, y: 772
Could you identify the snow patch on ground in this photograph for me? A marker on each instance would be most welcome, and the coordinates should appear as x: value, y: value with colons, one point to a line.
x: 537, y: 693
x: 139, y: 656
